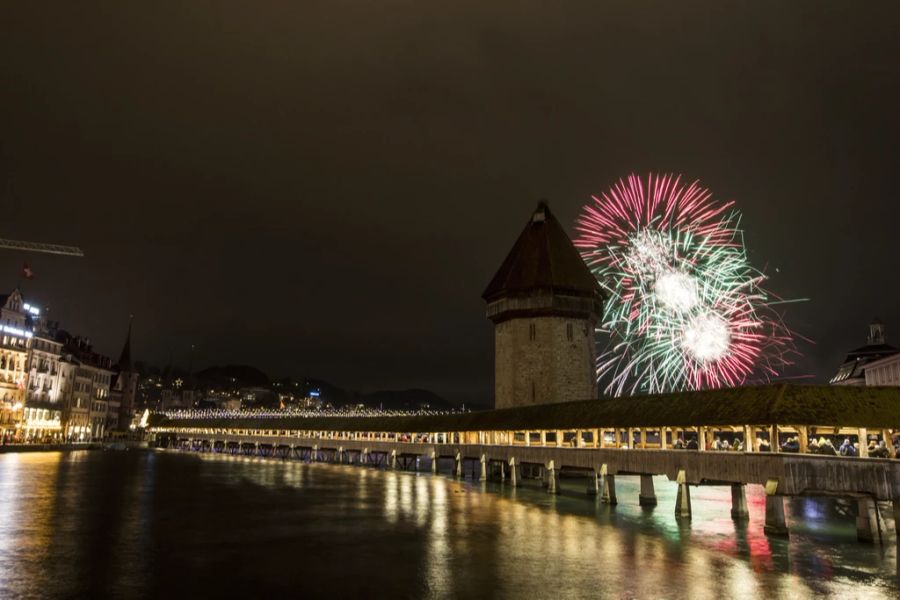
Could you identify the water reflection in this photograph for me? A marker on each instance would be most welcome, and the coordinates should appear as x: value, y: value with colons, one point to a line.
x: 148, y: 525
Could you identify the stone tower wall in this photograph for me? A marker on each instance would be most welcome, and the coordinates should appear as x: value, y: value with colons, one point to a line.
x: 536, y: 362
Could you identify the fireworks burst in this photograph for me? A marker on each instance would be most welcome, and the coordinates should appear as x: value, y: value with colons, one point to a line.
x: 685, y: 309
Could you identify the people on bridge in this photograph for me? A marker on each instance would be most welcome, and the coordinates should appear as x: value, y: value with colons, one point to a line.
x: 738, y: 445
x: 826, y: 447
x: 717, y: 444
x: 692, y: 444
x: 880, y: 451
x: 792, y: 444
x: 763, y: 445
x: 679, y: 443
x: 846, y: 448
x: 871, y: 447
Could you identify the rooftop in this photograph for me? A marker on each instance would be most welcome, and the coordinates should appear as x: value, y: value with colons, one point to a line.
x: 782, y: 404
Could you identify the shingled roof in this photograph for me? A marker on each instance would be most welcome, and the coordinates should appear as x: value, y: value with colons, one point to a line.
x: 783, y: 404
x: 543, y: 258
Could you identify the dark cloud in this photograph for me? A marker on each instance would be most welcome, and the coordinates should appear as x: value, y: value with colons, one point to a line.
x: 325, y: 187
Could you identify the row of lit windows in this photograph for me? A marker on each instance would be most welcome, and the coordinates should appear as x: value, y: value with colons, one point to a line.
x: 10, y: 363
x: 39, y: 344
x: 40, y: 414
x: 14, y: 340
x: 44, y: 365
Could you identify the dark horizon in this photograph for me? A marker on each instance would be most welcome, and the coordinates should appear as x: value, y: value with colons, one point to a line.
x: 325, y: 190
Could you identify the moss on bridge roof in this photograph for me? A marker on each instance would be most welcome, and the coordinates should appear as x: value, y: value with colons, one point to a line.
x: 783, y: 404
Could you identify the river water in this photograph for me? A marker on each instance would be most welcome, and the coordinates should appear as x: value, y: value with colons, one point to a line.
x: 145, y: 524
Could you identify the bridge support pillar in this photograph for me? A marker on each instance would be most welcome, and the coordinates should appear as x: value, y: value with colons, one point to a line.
x: 868, y: 522
x: 484, y: 464
x: 608, y: 486
x: 364, y: 456
x: 593, y: 486
x: 340, y: 455
x: 609, y: 490
x: 552, y: 478
x: 647, y: 497
x: 434, y: 462
x: 314, y: 453
x: 393, y: 460
x: 739, y: 510
x: 775, y: 521
x: 683, y: 499
x: 513, y: 472
x: 896, y: 506
x: 458, y: 465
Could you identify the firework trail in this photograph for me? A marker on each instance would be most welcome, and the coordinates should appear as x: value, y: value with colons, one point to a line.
x: 685, y: 310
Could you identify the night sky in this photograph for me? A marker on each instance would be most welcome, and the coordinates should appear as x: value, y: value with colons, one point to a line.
x: 325, y: 188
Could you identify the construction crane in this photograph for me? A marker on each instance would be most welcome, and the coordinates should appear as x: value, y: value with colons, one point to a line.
x: 39, y: 247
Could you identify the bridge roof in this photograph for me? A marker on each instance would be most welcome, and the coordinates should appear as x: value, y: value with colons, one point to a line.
x: 782, y: 404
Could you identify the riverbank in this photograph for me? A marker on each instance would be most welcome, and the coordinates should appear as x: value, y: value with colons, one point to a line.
x: 117, y: 445
x: 9, y: 448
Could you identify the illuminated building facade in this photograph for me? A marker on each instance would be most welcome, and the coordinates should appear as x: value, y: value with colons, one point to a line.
x: 78, y: 422
x: 87, y: 406
x: 101, y: 377
x: 15, y: 344
x: 53, y: 386
x: 44, y: 400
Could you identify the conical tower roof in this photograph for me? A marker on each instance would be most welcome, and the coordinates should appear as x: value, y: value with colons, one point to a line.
x: 542, y: 259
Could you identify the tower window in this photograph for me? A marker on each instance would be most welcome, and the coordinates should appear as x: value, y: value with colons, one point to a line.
x: 532, y: 331
x: 569, y: 332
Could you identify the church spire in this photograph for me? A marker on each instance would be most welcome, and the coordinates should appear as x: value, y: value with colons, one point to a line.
x: 125, y: 365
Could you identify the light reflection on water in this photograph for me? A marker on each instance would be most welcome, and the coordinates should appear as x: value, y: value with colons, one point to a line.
x: 148, y: 525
